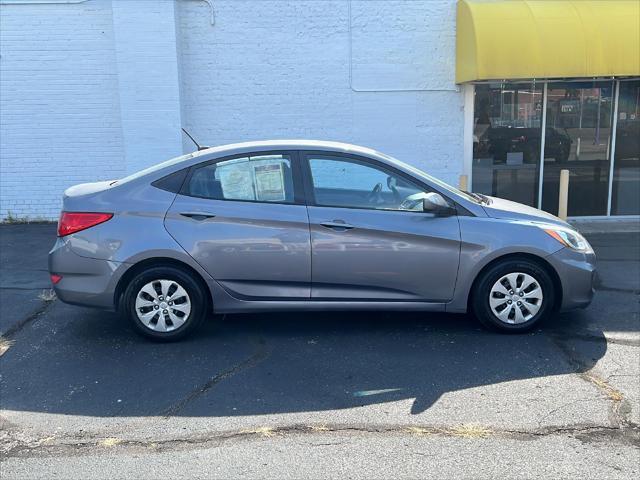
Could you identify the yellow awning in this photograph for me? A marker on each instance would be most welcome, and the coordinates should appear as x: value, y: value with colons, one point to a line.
x: 512, y: 39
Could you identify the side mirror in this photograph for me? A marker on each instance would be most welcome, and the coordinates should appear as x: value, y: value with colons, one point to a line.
x: 436, y: 204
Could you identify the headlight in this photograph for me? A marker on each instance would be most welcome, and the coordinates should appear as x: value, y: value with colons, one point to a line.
x: 569, y: 238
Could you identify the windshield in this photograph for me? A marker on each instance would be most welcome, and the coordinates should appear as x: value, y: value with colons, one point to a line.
x: 445, y: 186
x: 155, y: 168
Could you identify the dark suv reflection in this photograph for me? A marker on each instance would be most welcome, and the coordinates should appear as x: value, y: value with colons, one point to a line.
x: 497, y: 142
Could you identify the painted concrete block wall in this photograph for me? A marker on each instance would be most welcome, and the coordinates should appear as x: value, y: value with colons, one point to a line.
x: 59, y: 108
x: 148, y: 86
x: 94, y: 90
x: 379, y: 74
x: 89, y: 91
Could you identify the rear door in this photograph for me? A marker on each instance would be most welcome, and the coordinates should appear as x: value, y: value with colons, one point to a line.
x: 243, y: 219
x: 370, y: 239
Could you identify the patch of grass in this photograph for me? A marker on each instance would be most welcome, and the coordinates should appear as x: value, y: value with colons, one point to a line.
x: 46, y: 441
x: 419, y: 431
x: 262, y: 431
x: 47, y: 295
x: 614, y: 394
x: 11, y: 219
x: 111, y: 442
x: 469, y: 430
x: 5, y: 344
x: 319, y: 428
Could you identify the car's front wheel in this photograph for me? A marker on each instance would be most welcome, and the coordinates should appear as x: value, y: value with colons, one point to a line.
x: 513, y: 296
x: 164, y: 303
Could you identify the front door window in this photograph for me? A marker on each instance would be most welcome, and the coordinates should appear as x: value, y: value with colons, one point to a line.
x: 348, y: 183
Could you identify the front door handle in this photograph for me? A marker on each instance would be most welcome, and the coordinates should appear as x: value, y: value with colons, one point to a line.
x: 197, y: 215
x: 337, y: 225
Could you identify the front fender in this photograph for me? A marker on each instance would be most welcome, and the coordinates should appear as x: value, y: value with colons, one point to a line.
x: 487, y: 239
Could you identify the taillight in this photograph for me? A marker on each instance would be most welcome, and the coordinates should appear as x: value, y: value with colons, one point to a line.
x: 72, y: 222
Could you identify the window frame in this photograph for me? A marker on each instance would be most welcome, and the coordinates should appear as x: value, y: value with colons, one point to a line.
x: 309, y: 189
x: 293, y: 156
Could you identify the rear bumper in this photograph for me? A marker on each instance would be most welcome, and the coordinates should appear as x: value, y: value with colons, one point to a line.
x: 85, y: 281
x: 577, y: 272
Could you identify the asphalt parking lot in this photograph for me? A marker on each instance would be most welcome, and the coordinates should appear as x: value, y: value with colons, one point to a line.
x: 374, y: 395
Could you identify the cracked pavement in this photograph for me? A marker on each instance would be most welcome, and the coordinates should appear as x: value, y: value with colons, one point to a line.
x: 336, y: 395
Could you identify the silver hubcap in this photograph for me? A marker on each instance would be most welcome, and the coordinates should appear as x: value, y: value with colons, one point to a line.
x: 163, y: 305
x: 515, y: 298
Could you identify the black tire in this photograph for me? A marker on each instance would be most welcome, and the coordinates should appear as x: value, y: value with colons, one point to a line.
x: 197, y: 297
x: 480, y: 296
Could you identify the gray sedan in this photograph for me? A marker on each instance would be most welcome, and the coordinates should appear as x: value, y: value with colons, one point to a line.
x: 309, y: 225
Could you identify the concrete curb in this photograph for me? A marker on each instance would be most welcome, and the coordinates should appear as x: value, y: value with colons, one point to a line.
x: 606, y: 225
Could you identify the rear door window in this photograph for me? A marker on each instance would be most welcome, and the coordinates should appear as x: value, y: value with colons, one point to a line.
x: 259, y: 178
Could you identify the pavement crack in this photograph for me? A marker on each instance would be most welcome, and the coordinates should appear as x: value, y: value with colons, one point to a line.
x: 250, y: 362
x: 618, y: 411
x: 561, y: 407
x: 59, y: 446
x: 19, y: 325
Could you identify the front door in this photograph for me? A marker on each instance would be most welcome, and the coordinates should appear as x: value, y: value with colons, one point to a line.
x: 241, y: 220
x: 370, y: 239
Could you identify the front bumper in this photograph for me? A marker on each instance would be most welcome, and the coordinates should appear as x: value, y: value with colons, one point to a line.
x: 577, y: 273
x: 85, y: 281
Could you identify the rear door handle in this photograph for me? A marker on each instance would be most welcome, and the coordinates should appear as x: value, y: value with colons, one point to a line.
x: 337, y: 225
x: 197, y: 215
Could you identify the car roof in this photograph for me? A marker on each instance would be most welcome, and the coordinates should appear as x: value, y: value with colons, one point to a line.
x: 213, y: 153
x: 242, y: 147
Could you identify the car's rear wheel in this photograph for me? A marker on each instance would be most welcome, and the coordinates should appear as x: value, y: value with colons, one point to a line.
x: 164, y: 303
x: 513, y: 296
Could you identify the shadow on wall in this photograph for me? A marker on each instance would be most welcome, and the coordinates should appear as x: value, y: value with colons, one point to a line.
x: 82, y: 362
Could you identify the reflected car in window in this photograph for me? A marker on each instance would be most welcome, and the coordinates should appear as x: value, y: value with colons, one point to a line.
x: 499, y: 142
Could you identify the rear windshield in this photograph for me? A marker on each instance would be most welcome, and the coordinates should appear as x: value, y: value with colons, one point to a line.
x: 155, y: 168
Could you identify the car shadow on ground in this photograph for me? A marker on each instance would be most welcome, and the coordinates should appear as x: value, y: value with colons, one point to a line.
x: 81, y: 362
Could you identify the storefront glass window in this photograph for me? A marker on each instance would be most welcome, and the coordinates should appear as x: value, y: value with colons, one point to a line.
x: 578, y: 138
x: 625, y: 198
x: 506, y: 140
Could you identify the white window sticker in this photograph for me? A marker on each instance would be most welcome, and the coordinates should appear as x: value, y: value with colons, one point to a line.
x: 270, y: 182
x: 236, y: 179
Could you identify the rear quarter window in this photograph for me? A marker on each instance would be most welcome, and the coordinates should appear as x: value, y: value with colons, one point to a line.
x: 173, y: 182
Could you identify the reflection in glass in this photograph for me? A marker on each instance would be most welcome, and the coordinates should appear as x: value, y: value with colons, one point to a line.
x: 626, y: 169
x: 577, y: 138
x: 265, y: 178
x: 506, y: 140
x: 346, y: 183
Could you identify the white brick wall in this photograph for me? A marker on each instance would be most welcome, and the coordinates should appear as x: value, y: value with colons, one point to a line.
x: 278, y: 69
x: 73, y: 78
x: 149, y: 91
x: 59, y: 112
